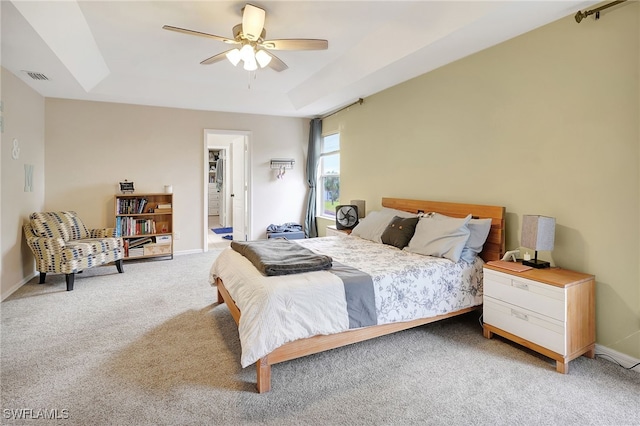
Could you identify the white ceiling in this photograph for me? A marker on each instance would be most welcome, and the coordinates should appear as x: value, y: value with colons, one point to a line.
x: 117, y: 51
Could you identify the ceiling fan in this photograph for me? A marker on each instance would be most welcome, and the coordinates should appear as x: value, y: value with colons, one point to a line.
x: 253, y: 49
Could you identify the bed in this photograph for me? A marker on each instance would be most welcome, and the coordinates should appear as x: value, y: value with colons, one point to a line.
x: 278, y: 325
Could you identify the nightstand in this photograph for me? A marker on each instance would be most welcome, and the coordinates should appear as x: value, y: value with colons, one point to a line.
x: 551, y: 311
x: 333, y: 231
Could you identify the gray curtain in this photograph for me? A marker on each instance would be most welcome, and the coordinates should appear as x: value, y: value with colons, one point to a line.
x: 315, y: 134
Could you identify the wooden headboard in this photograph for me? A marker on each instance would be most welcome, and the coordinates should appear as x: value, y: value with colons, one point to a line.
x: 494, y: 247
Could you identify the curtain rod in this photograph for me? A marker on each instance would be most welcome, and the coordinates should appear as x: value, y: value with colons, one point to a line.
x: 581, y: 15
x: 359, y: 102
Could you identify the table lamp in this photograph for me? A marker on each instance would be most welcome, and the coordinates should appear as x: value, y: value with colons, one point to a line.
x: 538, y: 233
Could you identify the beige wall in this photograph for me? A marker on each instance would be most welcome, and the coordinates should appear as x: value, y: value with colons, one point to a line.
x: 91, y: 146
x: 23, y: 117
x: 546, y: 123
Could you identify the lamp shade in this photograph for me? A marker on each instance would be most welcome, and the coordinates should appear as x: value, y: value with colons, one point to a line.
x: 538, y: 232
x: 250, y: 64
x: 263, y: 58
x: 234, y: 56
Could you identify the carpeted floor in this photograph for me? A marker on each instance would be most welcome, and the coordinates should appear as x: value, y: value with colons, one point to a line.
x: 152, y: 347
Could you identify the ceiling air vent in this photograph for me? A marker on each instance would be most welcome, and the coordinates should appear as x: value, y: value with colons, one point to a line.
x: 36, y: 75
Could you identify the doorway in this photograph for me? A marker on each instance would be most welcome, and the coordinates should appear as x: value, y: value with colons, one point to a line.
x: 226, y: 187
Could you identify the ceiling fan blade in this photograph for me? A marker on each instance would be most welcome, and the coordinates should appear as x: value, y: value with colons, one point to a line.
x: 198, y: 33
x: 215, y: 58
x: 252, y: 22
x: 276, y: 63
x: 296, y: 44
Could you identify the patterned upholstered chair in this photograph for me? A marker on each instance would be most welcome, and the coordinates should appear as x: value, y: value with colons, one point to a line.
x: 62, y: 244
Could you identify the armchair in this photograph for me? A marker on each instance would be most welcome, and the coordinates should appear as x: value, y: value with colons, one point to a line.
x: 62, y: 244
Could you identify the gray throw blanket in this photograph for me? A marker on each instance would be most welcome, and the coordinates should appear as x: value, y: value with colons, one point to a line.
x: 281, y: 257
x: 359, y: 294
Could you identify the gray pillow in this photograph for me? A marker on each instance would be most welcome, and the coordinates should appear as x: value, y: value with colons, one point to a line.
x: 479, y: 231
x: 399, y: 231
x: 374, y: 224
x: 442, y: 237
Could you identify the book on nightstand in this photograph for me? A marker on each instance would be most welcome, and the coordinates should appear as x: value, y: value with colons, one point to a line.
x: 511, y: 266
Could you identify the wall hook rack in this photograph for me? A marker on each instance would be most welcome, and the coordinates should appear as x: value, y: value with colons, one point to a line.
x: 279, y: 163
x: 282, y: 164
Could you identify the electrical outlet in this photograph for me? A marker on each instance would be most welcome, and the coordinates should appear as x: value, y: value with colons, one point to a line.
x: 176, y: 235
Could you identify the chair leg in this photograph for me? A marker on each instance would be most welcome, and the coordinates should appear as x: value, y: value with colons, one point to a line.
x: 70, y: 279
x: 119, y: 265
x: 42, y: 277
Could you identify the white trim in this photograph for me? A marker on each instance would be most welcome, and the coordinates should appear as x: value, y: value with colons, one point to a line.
x: 247, y: 134
x: 19, y: 284
x: 183, y: 252
x: 617, y: 357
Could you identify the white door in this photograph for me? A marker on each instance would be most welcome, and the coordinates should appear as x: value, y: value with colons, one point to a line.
x: 238, y: 189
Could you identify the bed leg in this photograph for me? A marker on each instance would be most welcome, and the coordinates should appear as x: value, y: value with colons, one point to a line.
x: 264, y: 375
x: 220, y: 298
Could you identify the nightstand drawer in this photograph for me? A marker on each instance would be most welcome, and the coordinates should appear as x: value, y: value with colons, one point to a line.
x: 526, y: 324
x: 531, y: 295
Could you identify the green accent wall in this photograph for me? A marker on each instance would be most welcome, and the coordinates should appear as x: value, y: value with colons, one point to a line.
x: 546, y: 123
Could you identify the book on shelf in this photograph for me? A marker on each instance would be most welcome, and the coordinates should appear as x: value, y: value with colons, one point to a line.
x: 163, y: 206
x: 142, y: 204
x: 140, y: 241
x: 131, y: 205
x: 162, y: 210
x: 130, y: 226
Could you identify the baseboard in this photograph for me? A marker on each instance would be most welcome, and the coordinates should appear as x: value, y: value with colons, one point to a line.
x: 617, y: 357
x: 16, y: 286
x: 182, y: 252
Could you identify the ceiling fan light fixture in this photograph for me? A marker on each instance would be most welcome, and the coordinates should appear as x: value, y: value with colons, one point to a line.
x: 253, y: 49
x: 250, y: 64
x: 247, y: 53
x: 234, y: 56
x: 263, y: 58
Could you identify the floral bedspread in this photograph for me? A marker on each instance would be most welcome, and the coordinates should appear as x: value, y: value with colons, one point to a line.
x: 407, y: 285
x: 280, y: 309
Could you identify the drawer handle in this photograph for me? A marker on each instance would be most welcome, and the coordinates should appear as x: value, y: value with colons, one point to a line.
x: 520, y: 315
x: 521, y: 286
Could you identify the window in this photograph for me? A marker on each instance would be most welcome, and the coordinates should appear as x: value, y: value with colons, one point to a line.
x: 329, y: 180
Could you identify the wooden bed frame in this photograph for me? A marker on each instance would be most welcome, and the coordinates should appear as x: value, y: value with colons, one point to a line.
x: 493, y: 249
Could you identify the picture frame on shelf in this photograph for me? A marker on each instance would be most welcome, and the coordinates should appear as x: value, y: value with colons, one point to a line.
x: 126, y: 187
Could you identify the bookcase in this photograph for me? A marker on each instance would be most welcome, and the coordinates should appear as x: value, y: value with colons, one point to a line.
x: 145, y: 223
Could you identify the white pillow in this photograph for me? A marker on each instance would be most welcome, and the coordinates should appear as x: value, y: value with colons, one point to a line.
x: 479, y: 231
x: 442, y: 237
x: 374, y: 224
